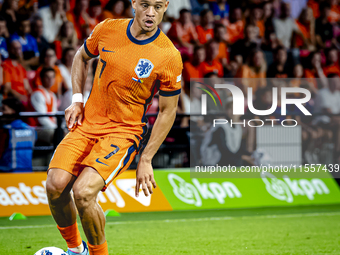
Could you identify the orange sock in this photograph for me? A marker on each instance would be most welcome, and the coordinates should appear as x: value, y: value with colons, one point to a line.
x: 98, y: 249
x: 71, y: 235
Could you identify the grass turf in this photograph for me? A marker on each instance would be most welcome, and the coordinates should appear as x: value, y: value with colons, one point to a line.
x: 289, y: 230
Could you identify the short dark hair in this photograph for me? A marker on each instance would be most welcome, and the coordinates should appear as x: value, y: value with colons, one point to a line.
x: 46, y: 70
x: 13, y: 103
x: 332, y: 75
x: 65, y: 50
x: 208, y: 75
x: 204, y: 12
x: 181, y: 12
x: 2, y: 18
x: 324, y: 5
x: 22, y: 18
x: 94, y: 3
x: 217, y: 26
x: 276, y: 51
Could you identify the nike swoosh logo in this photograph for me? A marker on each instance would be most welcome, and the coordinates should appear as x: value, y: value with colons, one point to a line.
x: 97, y: 160
x: 107, y: 50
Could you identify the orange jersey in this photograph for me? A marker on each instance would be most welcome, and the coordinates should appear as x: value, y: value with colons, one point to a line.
x: 128, y: 75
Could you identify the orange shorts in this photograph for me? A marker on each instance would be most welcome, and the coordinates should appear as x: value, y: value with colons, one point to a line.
x: 109, y: 156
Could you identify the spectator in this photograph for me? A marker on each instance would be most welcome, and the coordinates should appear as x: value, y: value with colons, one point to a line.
x: 43, y: 100
x: 222, y: 144
x: 235, y: 26
x: 323, y: 28
x: 114, y: 9
x: 9, y: 12
x: 279, y: 69
x: 285, y: 26
x: 176, y: 6
x: 270, y: 44
x: 53, y: 17
x: 28, y: 42
x: 82, y: 22
x: 65, y: 70
x: 334, y: 14
x: 67, y: 37
x: 48, y: 60
x: 306, y: 25
x: 314, y: 5
x: 15, y: 147
x: 268, y: 15
x: 211, y: 65
x: 327, y: 101
x: 15, y: 76
x: 37, y: 29
x: 220, y: 9
x: 205, y: 30
x: 3, y: 36
x: 220, y: 37
x: 191, y: 68
x: 314, y: 70
x: 332, y: 66
x: 183, y: 34
x: 95, y: 10
x: 255, y: 18
x: 244, y: 46
x: 255, y: 67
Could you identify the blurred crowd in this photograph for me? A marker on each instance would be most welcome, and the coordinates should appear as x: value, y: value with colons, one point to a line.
x: 260, y: 39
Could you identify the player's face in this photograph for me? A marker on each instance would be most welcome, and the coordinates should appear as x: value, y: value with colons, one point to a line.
x: 149, y: 13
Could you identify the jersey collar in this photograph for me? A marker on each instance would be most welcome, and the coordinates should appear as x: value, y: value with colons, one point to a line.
x: 141, y: 42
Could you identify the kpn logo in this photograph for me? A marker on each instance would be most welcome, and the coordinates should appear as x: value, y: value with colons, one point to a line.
x: 239, y: 102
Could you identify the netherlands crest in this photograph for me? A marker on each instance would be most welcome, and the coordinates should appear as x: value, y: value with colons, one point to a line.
x: 143, y: 68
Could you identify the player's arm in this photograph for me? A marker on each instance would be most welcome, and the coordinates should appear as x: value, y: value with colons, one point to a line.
x: 161, y: 128
x: 79, y: 72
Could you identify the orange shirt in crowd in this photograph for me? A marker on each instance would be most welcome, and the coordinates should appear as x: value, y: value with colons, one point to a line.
x: 80, y: 23
x: 260, y: 25
x: 222, y: 51
x: 305, y: 31
x: 191, y: 71
x: 187, y: 33
x: 15, y: 75
x: 249, y: 74
x: 334, y: 14
x: 235, y: 31
x: 311, y: 75
x: 204, y: 35
x: 214, y: 67
x: 58, y: 79
x: 314, y: 5
x: 331, y: 69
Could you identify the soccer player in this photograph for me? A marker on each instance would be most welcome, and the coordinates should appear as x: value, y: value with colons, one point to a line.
x: 135, y: 61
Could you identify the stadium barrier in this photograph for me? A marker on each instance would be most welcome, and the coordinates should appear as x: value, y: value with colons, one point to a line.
x: 25, y: 193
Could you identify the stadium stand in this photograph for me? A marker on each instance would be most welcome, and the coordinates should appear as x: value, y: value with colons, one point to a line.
x: 231, y: 39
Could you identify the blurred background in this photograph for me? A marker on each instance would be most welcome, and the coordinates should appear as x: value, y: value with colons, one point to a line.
x: 253, y: 41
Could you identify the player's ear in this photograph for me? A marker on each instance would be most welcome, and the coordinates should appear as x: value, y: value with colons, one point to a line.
x: 166, y: 5
x: 134, y: 4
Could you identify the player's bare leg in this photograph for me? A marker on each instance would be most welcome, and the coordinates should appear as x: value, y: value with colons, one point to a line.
x: 58, y: 186
x: 86, y: 188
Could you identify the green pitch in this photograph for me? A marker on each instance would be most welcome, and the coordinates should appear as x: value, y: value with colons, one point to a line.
x: 295, y: 230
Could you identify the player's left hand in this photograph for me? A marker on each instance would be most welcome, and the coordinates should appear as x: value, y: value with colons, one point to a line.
x: 144, y: 177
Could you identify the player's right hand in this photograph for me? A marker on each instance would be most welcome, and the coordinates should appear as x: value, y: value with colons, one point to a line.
x: 74, y: 114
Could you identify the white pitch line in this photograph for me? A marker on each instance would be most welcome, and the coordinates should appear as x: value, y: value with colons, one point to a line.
x: 274, y: 216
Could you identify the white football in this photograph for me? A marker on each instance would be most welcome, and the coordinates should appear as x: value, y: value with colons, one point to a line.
x: 50, y: 251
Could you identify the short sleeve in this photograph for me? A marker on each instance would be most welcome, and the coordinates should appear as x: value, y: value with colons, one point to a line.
x: 92, y: 42
x: 170, y: 81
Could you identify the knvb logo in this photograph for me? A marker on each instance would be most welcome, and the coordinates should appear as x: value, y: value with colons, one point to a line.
x: 239, y: 101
